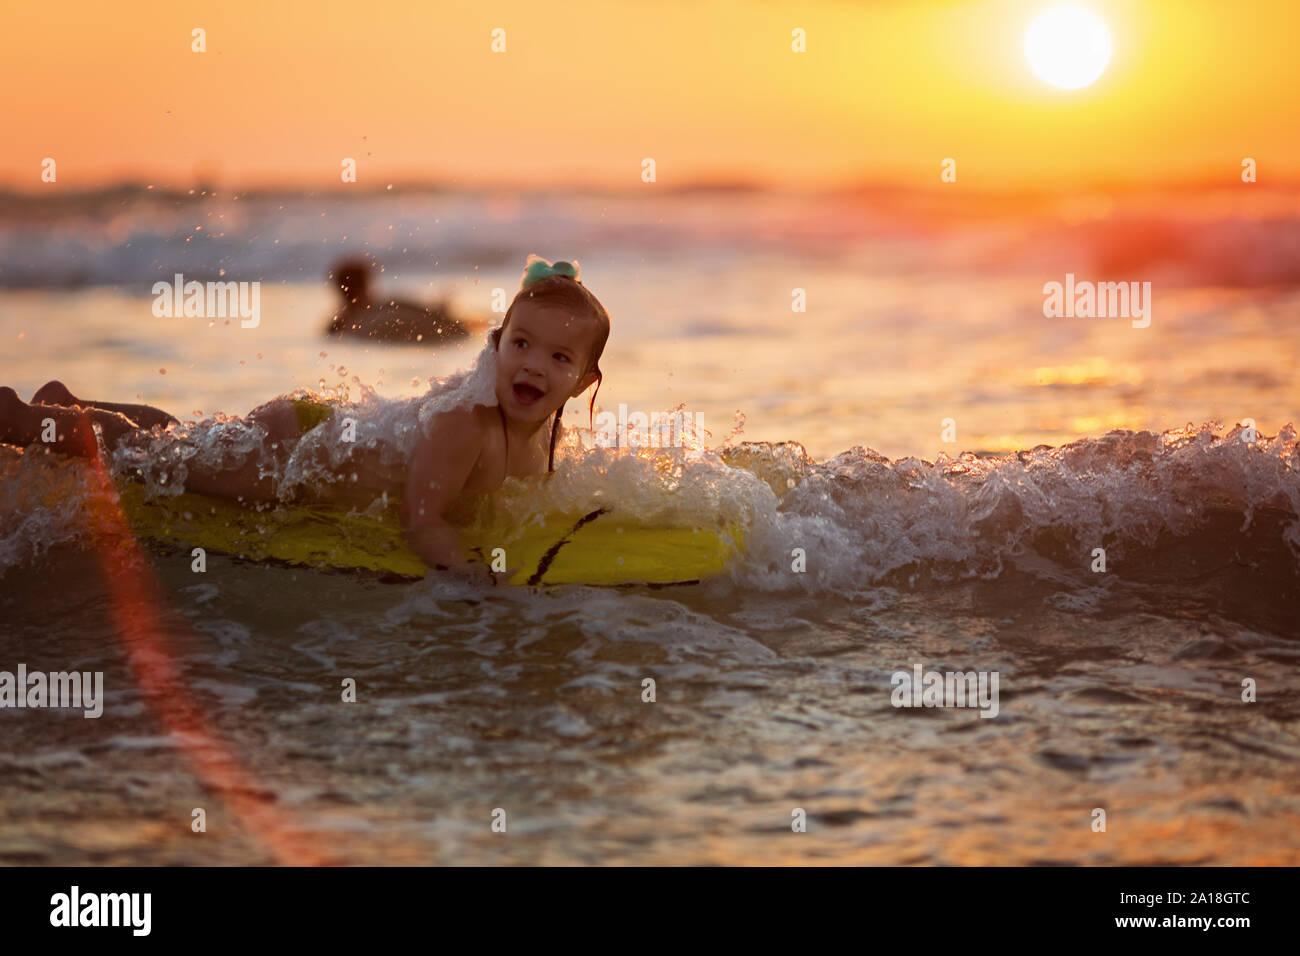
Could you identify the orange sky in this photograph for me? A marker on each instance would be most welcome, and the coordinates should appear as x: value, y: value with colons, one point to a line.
x: 709, y: 89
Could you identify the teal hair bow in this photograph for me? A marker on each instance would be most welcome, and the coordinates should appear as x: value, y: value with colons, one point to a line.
x: 538, y: 269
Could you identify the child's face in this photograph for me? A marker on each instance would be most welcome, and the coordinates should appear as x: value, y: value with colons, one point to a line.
x: 546, y: 348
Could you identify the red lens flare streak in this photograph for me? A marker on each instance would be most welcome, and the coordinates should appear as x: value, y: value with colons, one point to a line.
x: 135, y: 597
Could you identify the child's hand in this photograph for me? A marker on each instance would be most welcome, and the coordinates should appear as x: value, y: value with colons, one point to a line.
x: 476, y: 572
x: 469, y: 572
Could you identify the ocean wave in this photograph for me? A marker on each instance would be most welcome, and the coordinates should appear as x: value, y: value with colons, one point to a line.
x: 1196, y: 519
x: 1190, y: 521
x: 133, y: 236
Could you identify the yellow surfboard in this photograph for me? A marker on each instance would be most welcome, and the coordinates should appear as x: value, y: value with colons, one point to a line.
x: 600, y: 547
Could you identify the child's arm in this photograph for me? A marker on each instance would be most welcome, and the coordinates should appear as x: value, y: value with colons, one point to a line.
x: 440, y: 466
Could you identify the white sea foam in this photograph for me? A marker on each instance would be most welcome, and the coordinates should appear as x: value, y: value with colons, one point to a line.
x: 864, y: 521
x: 392, y: 426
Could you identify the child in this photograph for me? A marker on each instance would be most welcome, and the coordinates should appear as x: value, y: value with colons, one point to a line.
x: 546, y: 351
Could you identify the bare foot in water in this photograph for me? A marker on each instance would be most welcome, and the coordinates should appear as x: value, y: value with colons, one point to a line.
x: 10, y: 404
x: 55, y: 393
x: 72, y: 433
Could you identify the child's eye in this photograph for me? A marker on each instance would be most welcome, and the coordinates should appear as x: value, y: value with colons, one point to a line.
x: 561, y: 356
x: 520, y: 342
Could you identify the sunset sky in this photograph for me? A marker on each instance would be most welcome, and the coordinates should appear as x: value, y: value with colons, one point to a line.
x: 710, y: 90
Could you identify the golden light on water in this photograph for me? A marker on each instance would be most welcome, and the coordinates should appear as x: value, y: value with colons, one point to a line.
x: 1094, y: 370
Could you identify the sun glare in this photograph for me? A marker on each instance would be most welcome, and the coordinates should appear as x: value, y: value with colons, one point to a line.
x: 1068, y: 47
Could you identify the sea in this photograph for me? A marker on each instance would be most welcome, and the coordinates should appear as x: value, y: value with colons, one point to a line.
x: 935, y: 472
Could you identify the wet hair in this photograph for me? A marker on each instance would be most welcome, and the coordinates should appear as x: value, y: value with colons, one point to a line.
x: 562, y: 292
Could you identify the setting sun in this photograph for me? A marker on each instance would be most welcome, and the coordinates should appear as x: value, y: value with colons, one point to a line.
x: 1068, y: 47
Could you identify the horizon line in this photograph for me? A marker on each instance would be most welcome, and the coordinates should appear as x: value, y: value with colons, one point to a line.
x: 129, y: 184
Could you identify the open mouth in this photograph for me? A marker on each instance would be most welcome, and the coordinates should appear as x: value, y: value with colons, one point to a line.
x: 527, y: 394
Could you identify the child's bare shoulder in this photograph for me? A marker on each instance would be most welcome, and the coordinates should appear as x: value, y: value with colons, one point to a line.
x: 460, y: 438
x: 458, y: 451
x: 460, y: 423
